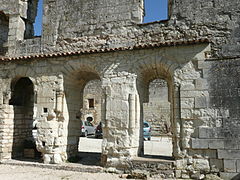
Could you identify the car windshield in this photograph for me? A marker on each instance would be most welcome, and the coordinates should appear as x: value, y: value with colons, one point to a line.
x: 145, y: 125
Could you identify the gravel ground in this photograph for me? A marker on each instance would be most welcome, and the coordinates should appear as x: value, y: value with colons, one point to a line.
x: 10, y: 172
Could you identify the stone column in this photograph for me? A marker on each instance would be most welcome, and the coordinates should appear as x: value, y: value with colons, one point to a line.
x: 132, y: 111
x: 59, y: 101
x: 176, y: 121
x: 51, y: 140
x: 6, y: 131
x: 120, y: 141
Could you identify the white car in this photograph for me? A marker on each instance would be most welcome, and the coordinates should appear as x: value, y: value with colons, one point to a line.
x: 87, y: 128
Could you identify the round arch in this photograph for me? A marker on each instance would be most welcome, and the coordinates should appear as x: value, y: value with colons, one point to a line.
x: 147, y: 71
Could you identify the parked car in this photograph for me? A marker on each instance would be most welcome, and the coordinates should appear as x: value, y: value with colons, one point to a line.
x: 87, y: 128
x: 98, y: 131
x: 146, y: 131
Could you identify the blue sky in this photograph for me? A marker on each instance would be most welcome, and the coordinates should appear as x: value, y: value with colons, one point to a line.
x: 38, y: 20
x: 155, y: 10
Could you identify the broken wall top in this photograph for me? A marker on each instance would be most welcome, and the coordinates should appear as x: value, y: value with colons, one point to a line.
x: 72, y: 25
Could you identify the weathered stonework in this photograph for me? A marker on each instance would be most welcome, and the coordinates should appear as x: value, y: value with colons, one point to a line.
x: 196, y: 51
x: 92, y: 99
x: 158, y: 111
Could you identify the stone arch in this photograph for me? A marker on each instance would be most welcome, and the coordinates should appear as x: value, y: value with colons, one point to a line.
x: 74, y: 84
x: 22, y: 100
x: 158, y: 68
x: 21, y: 87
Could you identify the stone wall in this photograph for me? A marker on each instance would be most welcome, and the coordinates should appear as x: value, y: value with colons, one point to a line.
x: 4, y: 28
x: 209, y: 20
x: 158, y: 111
x: 221, y: 135
x: 58, y: 86
x: 93, y: 91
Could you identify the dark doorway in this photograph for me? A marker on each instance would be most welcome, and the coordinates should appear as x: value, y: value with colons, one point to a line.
x: 22, y: 100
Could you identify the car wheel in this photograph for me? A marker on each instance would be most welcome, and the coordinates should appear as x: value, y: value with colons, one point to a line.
x: 85, y: 134
x: 149, y: 138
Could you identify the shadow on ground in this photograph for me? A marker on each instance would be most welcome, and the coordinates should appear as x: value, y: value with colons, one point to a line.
x: 86, y: 158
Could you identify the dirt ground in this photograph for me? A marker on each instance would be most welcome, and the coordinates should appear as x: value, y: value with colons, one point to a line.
x: 11, y: 172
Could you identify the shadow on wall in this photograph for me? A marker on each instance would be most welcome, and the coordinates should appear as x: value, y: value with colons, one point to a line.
x: 74, y: 90
x: 237, y: 177
x: 23, y: 102
x: 4, y: 29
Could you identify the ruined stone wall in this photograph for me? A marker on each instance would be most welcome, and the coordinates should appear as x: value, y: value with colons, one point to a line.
x: 217, y: 20
x: 21, y: 15
x: 4, y: 28
x: 92, y: 90
x: 6, y: 140
x: 157, y: 111
x: 90, y: 17
x: 218, y: 138
x: 58, y: 84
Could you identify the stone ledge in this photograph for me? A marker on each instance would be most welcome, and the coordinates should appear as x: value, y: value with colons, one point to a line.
x: 65, y: 166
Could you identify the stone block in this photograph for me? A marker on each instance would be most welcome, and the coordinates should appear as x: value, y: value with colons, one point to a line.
x: 178, y: 173
x: 201, y: 102
x: 201, y: 84
x: 206, y: 153
x: 187, y: 103
x: 212, y: 177
x: 238, y: 165
x: 187, y: 86
x: 225, y: 175
x: 199, y: 143
x: 231, y: 144
x: 197, y: 175
x: 57, y: 159
x: 201, y: 165
x: 181, y: 164
x: 186, y: 114
x: 185, y: 175
x: 216, y: 165
x: 216, y: 144
x: 228, y: 154
x: 205, y: 132
x: 229, y: 165
x: 202, y: 65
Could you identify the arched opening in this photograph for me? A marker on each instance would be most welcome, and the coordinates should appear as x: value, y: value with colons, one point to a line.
x: 4, y: 29
x: 157, y: 126
x: 158, y: 108
x: 83, y: 95
x: 22, y: 99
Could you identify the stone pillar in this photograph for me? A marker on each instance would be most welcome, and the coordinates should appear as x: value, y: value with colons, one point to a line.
x: 176, y: 121
x: 51, y: 141
x: 120, y: 141
x: 59, y: 101
x: 6, y: 131
x: 16, y: 32
x: 132, y: 111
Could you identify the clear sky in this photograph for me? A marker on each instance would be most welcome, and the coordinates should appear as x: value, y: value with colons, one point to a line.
x: 38, y: 20
x: 155, y: 10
